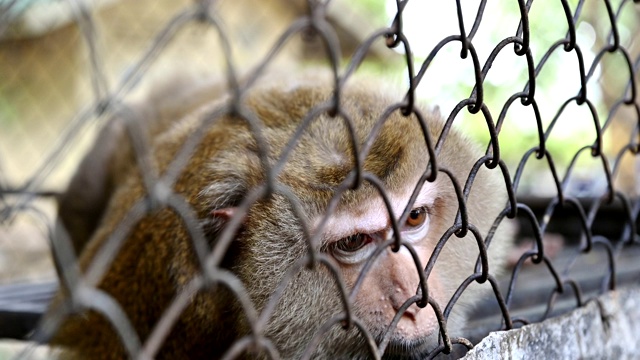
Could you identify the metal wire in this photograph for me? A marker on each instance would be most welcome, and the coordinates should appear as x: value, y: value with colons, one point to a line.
x: 159, y: 190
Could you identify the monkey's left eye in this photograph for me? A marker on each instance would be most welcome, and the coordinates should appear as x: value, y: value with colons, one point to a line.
x: 416, y: 226
x: 417, y: 217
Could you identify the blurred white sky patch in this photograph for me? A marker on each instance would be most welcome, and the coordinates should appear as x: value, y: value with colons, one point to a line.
x: 450, y: 79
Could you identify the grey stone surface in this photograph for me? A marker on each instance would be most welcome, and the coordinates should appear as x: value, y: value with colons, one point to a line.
x: 605, y: 328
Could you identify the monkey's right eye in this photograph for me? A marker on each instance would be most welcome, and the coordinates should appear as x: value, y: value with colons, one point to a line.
x: 351, y: 243
x: 352, y: 249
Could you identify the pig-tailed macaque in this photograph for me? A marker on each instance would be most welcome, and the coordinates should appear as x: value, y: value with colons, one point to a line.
x: 157, y: 259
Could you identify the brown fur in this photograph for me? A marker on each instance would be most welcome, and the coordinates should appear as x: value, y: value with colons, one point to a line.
x: 157, y: 259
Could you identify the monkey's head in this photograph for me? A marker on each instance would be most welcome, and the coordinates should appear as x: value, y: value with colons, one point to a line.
x: 350, y: 224
x: 319, y: 250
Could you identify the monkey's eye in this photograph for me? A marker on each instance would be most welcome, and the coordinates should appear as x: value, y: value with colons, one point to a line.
x: 417, y: 217
x: 416, y: 226
x: 352, y: 249
x: 352, y: 243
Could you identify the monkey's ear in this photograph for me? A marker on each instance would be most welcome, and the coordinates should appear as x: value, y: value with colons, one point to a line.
x: 218, y: 220
x: 224, y: 214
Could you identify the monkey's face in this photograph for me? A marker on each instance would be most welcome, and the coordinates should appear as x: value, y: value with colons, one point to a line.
x: 356, y: 239
x: 384, y: 284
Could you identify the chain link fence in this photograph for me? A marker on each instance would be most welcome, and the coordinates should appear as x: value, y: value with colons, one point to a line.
x: 592, y: 205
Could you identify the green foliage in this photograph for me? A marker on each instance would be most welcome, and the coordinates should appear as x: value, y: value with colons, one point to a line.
x: 376, y: 9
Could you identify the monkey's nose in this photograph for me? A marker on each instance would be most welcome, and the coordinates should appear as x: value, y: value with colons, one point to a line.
x: 404, y: 283
x: 399, y: 298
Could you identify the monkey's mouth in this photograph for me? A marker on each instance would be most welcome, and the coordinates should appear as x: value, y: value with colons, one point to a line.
x: 404, y: 349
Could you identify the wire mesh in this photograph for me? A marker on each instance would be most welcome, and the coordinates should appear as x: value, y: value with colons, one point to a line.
x: 157, y: 191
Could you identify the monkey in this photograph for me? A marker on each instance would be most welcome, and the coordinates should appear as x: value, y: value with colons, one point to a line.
x: 299, y: 215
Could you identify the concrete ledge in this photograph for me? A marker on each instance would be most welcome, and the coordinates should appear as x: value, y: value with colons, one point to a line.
x: 608, y: 327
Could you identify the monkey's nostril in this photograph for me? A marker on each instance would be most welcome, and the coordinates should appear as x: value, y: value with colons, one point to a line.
x: 411, y: 313
x: 399, y: 301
